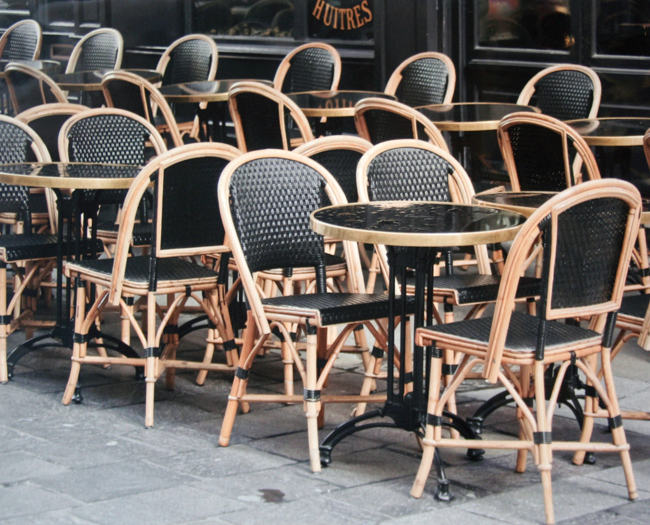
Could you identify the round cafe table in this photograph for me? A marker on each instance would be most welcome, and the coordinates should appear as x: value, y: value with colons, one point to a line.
x: 92, y: 80
x: 49, y: 67
x: 471, y: 116
x: 426, y: 227
x: 63, y: 177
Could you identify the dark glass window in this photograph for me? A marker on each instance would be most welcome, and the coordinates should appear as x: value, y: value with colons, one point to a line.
x: 340, y: 19
x: 244, y: 17
x: 525, y: 24
x: 623, y: 27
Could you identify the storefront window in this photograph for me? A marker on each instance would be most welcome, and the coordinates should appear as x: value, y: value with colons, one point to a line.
x: 244, y: 17
x: 340, y: 19
x: 527, y: 24
x: 623, y: 27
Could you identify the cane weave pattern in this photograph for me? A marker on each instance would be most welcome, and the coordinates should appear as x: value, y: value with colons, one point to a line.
x: 99, y: 52
x: 564, y: 95
x: 16, y: 147
x: 634, y: 306
x: 424, y: 82
x: 21, y: 43
x: 342, y: 164
x: 189, y: 61
x: 385, y: 125
x: 48, y: 128
x: 312, y: 69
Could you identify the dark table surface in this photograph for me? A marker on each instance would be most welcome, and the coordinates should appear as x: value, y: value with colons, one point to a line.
x: 92, y: 80
x: 332, y: 103
x: 612, y: 131
x: 206, y: 91
x: 471, y: 116
x: 69, y: 175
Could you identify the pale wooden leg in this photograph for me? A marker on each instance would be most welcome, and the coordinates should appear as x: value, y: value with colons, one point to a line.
x: 4, y: 375
x: 78, y: 349
x: 312, y: 405
x: 151, y: 364
x: 522, y: 454
x: 591, y: 406
x: 544, y: 449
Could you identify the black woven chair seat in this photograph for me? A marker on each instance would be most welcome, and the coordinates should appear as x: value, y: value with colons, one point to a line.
x: 339, y: 308
x: 137, y: 269
x: 476, y: 288
x: 522, y: 332
x: 18, y: 247
x: 634, y: 306
x: 141, y: 232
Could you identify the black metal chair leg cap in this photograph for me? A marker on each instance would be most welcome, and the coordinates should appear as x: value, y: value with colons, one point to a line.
x: 325, y: 456
x: 475, y: 454
x: 442, y: 492
x: 139, y: 373
x: 77, y: 398
x: 476, y: 424
x: 590, y: 458
x: 10, y: 371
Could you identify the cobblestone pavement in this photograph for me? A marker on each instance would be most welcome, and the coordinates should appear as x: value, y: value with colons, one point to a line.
x: 95, y: 463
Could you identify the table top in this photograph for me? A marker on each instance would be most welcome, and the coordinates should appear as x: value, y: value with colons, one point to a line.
x: 471, y: 116
x: 92, y: 80
x: 332, y: 103
x: 526, y: 202
x: 49, y: 67
x: 423, y: 224
x: 206, y: 91
x: 71, y: 175
x: 612, y: 131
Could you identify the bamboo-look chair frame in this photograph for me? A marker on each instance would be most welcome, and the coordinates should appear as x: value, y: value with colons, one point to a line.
x: 432, y: 133
x: 116, y: 288
x: 529, y: 89
x: 261, y: 320
x: 285, y: 64
x: 78, y: 48
x: 397, y: 75
x: 282, y: 101
x: 497, y: 361
x: 4, y: 39
x: 33, y: 274
x: 42, y: 78
x: 155, y: 99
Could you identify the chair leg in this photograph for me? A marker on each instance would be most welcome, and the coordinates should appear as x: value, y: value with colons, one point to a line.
x: 77, y: 351
x: 591, y: 406
x: 312, y: 399
x: 4, y: 375
x: 207, y: 357
x: 522, y: 454
x: 544, y: 449
x: 151, y: 364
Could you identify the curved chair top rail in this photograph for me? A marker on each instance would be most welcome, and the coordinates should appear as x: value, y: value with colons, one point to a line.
x: 47, y: 110
x: 286, y: 65
x: 55, y: 91
x: 22, y: 41
x: 166, y: 57
x: 95, y: 60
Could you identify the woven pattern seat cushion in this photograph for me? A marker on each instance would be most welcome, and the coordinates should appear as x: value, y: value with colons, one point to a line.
x: 634, y: 306
x: 137, y: 269
x: 332, y: 262
x: 339, y: 308
x: 141, y: 232
x: 20, y: 247
x: 522, y: 332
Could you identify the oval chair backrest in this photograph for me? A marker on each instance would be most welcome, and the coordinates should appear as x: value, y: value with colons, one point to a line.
x: 100, y: 49
x: 192, y: 58
x: 21, y: 41
x: 29, y: 87
x: 423, y: 79
x: 311, y: 67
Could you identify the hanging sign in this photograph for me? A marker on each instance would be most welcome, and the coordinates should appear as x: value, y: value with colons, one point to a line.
x: 343, y: 19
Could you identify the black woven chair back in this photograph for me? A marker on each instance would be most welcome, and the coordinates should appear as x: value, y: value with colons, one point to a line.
x: 260, y: 122
x: 48, y: 128
x: 409, y: 174
x: 128, y: 96
x: 99, y: 52
x: 424, y: 82
x: 342, y: 164
x: 21, y: 43
x: 189, y: 61
x: 565, y: 95
x: 589, y: 239
x: 539, y: 158
x: 190, y: 216
x: 312, y: 69
x: 29, y: 90
x: 271, y: 201
x: 16, y: 147
x: 385, y: 125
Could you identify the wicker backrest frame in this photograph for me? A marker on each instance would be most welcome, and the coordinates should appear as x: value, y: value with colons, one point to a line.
x: 23, y: 25
x: 79, y: 48
x: 285, y: 65
x: 45, y: 82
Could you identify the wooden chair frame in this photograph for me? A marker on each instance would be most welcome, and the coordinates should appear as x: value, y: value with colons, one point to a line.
x: 285, y: 64
x: 396, y: 77
x: 37, y: 27
x: 155, y: 97
x: 497, y: 361
x: 116, y: 289
x: 382, y: 104
x: 78, y: 48
x: 529, y: 89
x: 38, y: 75
x: 261, y: 321
x: 281, y: 100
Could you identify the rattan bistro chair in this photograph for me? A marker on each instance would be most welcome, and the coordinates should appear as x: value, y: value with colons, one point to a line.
x: 264, y: 237
x: 124, y: 90
x: 100, y: 49
x: 378, y: 120
x: 263, y: 117
x: 21, y: 41
x: 186, y: 223
x: 29, y: 87
x: 423, y: 79
x: 314, y: 66
x: 588, y: 232
x: 565, y: 91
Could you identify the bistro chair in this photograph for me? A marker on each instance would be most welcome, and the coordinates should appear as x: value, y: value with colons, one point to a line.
x: 378, y: 120
x: 29, y: 87
x: 565, y: 91
x: 30, y: 255
x: 124, y: 90
x: 264, y: 237
x: 588, y: 232
x: 314, y: 66
x: 21, y: 41
x: 423, y: 79
x: 186, y: 223
x: 263, y: 118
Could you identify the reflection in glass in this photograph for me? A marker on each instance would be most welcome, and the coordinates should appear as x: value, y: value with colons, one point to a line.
x: 527, y: 24
x: 341, y: 19
x: 244, y: 17
x: 623, y: 27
